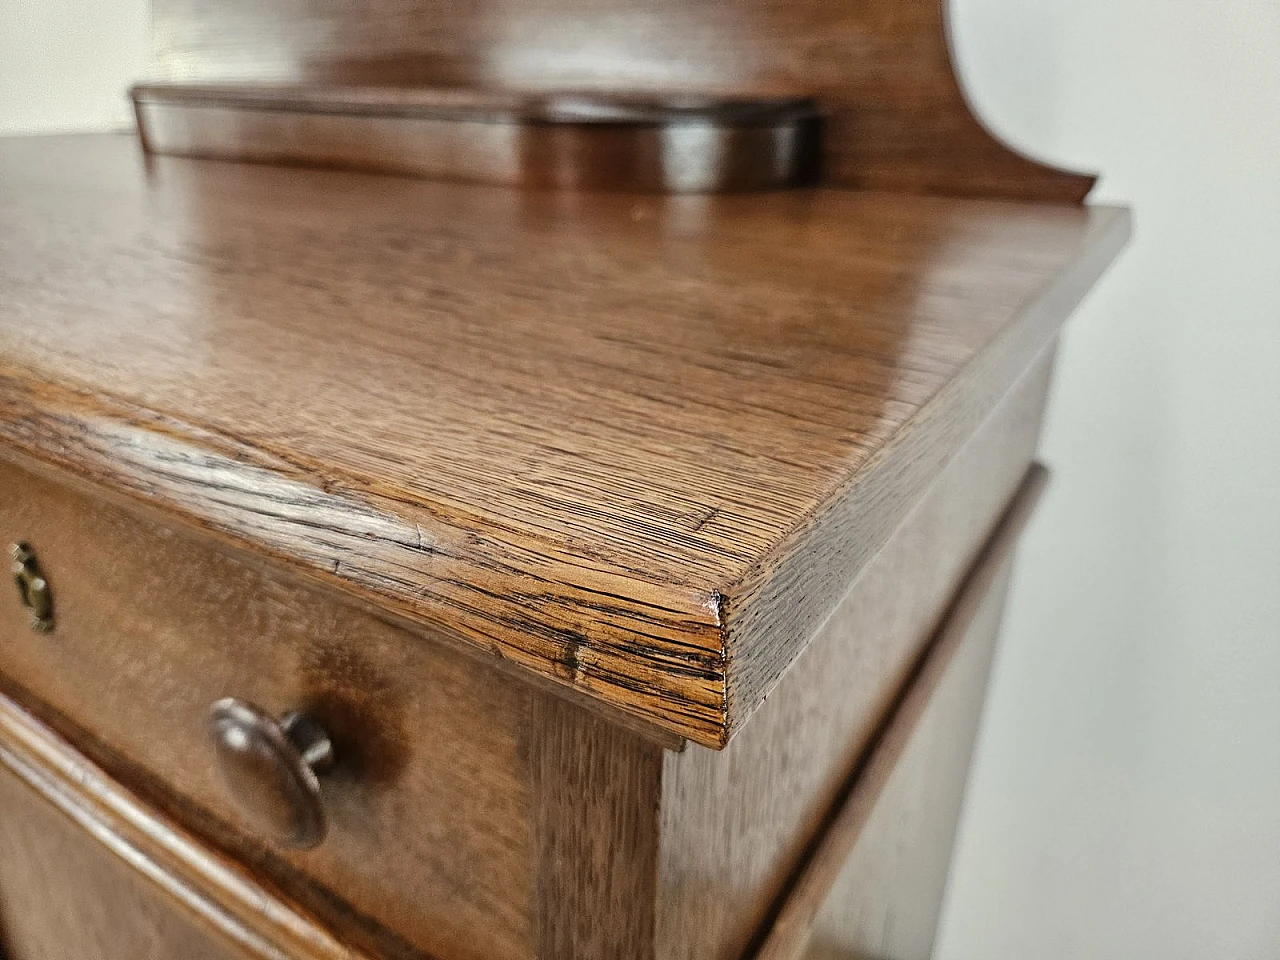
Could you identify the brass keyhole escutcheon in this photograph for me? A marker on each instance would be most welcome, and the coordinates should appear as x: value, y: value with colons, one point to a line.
x: 33, y: 588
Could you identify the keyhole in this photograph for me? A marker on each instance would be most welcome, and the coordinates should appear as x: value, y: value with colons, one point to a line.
x: 33, y: 589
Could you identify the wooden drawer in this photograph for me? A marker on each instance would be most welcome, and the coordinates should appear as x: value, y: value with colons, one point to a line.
x: 430, y: 803
x: 471, y: 813
x: 87, y: 872
x: 870, y: 886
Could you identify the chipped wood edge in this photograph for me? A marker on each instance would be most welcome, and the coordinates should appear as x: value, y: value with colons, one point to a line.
x: 654, y: 652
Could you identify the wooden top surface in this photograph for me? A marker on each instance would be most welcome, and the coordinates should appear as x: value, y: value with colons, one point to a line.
x: 638, y: 445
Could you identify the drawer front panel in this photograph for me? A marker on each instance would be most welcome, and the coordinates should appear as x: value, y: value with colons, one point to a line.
x: 428, y: 807
x: 89, y: 872
x: 64, y: 896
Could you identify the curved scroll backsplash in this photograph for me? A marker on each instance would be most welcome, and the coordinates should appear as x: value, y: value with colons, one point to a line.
x: 881, y: 69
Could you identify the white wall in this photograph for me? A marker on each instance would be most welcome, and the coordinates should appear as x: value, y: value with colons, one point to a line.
x: 1126, y: 798
x: 66, y: 64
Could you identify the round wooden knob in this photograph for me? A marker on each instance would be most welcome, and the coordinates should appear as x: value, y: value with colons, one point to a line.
x: 270, y: 767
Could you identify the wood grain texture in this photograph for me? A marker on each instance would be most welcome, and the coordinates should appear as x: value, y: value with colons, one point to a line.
x: 87, y: 872
x: 471, y: 814
x: 596, y: 835
x: 735, y: 824
x: 151, y: 629
x: 873, y: 881
x: 896, y: 118
x: 640, y: 448
x: 68, y: 899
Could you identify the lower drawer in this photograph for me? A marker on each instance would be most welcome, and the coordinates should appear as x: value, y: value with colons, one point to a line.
x: 87, y: 872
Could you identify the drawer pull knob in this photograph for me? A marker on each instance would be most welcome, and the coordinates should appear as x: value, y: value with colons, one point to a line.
x: 270, y: 767
x: 33, y: 588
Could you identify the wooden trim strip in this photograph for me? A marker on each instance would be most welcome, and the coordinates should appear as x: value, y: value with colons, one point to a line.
x: 591, y: 141
x: 472, y: 105
x: 785, y: 937
x: 215, y: 891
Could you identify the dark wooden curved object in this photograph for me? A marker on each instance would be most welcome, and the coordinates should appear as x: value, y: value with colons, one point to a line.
x: 589, y: 141
x: 881, y: 70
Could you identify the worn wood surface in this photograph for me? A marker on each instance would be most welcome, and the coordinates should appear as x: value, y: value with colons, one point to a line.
x: 471, y: 814
x: 87, y: 872
x: 641, y: 448
x: 872, y: 883
x: 435, y: 821
x: 896, y: 118
x: 735, y: 824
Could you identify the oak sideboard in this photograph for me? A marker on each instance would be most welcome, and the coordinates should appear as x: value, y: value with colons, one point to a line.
x: 452, y: 517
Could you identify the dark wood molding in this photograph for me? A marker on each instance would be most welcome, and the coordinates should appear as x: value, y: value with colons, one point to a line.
x: 566, y: 142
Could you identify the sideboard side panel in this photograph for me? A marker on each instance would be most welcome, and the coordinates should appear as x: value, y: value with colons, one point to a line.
x: 736, y: 823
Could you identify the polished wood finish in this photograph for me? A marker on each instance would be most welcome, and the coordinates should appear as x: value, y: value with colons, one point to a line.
x: 89, y: 872
x: 585, y: 141
x: 873, y: 882
x: 735, y: 825
x: 881, y: 69
x: 637, y: 448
